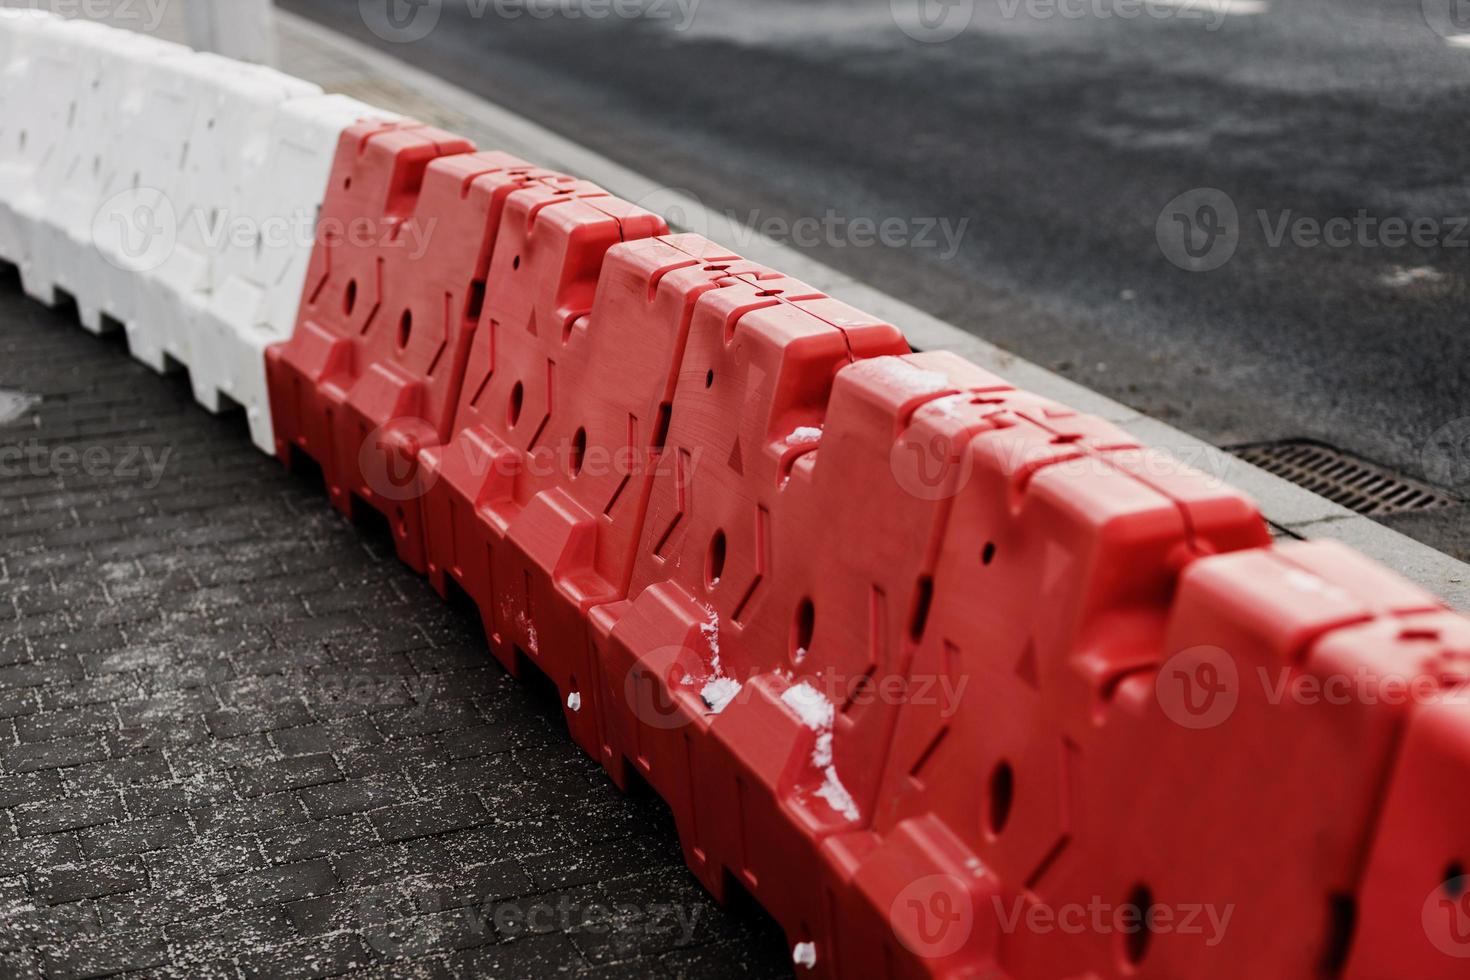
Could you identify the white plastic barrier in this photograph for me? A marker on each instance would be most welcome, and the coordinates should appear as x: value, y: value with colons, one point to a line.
x: 138, y: 227
x: 256, y: 290
x: 65, y: 201
x: 226, y: 155
x: 172, y: 192
x: 37, y: 89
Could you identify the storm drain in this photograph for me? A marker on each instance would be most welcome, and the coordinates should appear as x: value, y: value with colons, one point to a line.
x: 1342, y: 478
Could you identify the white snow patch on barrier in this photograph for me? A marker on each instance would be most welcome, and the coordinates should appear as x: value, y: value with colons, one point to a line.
x: 817, y: 713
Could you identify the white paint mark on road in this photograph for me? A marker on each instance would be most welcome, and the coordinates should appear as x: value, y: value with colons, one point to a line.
x: 1401, y: 277
x: 15, y: 404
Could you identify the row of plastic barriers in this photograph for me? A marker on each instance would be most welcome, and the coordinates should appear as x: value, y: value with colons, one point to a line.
x: 952, y: 680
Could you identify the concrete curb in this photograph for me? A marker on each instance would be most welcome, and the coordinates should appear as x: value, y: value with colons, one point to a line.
x: 1292, y: 510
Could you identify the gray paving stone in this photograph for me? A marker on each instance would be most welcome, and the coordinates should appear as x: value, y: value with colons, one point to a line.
x: 239, y: 739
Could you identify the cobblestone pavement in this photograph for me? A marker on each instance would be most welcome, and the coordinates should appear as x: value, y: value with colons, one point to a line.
x: 238, y: 738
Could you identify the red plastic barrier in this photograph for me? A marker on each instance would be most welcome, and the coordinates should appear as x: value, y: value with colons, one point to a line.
x: 924, y: 663
x: 1413, y: 910
x: 850, y: 534
x: 746, y: 576
x: 534, y: 503
x: 393, y: 295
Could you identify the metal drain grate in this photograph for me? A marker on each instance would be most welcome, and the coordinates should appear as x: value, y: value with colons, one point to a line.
x: 1344, y: 479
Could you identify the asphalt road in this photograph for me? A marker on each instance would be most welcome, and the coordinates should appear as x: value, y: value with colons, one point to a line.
x: 1031, y: 161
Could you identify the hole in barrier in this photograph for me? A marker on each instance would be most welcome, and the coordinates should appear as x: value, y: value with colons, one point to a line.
x: 923, y: 598
x: 579, y: 451
x: 1137, y: 938
x: 987, y: 554
x: 515, y: 263
x: 517, y: 397
x: 715, y: 566
x: 405, y: 328
x: 716, y: 268
x: 306, y: 469
x: 476, y: 302
x: 349, y: 299
x: 709, y: 378
x: 1454, y: 881
x: 661, y: 428
x: 1002, y: 795
x: 802, y: 629
x: 1342, y: 922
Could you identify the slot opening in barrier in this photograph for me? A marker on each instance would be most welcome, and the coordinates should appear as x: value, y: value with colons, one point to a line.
x: 461, y: 601
x: 1136, y: 941
x: 376, y: 526
x: 1002, y: 796
x: 65, y: 303
x: 742, y: 906
x: 112, y: 328
x: 1342, y: 921
x: 540, y: 689
x: 305, y: 469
